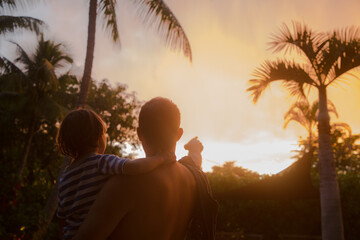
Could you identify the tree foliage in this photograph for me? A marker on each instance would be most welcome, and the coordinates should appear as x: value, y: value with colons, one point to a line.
x: 329, y: 57
x: 10, y: 23
x: 322, y: 59
x: 297, y: 217
x: 31, y: 90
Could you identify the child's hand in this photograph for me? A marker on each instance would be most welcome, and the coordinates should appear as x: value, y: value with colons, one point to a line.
x: 194, y: 145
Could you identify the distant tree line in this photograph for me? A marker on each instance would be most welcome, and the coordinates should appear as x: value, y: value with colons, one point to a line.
x: 270, y: 218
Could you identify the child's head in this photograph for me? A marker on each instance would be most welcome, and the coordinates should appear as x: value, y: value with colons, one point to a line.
x: 82, y: 131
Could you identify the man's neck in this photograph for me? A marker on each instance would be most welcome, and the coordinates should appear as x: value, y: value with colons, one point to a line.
x: 151, y: 153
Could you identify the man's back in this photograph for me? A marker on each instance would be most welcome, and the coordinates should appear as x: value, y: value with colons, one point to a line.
x: 161, y: 204
x: 157, y: 206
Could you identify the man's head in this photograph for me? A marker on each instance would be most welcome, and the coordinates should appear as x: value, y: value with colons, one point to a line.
x: 159, y: 125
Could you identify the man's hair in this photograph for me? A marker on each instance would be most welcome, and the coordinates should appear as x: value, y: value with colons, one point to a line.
x: 159, y: 121
x: 80, y: 132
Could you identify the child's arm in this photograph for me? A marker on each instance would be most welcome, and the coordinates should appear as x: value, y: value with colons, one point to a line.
x: 110, y: 164
x: 195, y: 147
x: 61, y: 227
x: 143, y: 165
x: 61, y: 217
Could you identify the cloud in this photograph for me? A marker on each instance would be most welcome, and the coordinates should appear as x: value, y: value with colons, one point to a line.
x: 229, y: 40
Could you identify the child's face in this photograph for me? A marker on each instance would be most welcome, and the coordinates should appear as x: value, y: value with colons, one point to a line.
x: 102, y: 144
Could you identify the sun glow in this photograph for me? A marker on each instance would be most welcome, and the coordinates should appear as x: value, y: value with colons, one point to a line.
x: 228, y: 42
x: 266, y: 157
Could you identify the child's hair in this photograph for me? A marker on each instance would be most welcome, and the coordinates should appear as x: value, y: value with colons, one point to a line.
x: 79, y: 133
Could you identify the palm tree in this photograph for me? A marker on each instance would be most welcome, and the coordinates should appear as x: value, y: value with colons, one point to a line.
x: 327, y: 59
x: 10, y: 23
x: 306, y: 115
x: 29, y: 83
x: 154, y: 11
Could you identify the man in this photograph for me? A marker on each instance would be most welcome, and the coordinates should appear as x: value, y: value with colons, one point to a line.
x: 159, y: 205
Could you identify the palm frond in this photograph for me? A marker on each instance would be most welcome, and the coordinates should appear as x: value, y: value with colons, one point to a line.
x: 294, y: 77
x: 157, y: 13
x: 7, y: 67
x: 306, y: 114
x: 23, y: 57
x: 329, y: 57
x: 301, y: 39
x: 8, y: 4
x: 51, y: 51
x: 295, y: 89
x: 11, y: 77
x: 108, y: 10
x: 9, y: 24
x: 47, y: 76
x: 314, y: 109
x: 347, y: 34
x: 345, y: 53
x: 343, y: 127
x: 298, y: 112
x: 332, y: 108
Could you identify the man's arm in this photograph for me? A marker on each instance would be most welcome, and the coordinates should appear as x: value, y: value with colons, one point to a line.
x: 109, y: 208
x: 195, y: 147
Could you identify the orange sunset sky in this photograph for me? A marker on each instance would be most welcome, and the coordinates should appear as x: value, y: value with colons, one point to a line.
x: 229, y: 40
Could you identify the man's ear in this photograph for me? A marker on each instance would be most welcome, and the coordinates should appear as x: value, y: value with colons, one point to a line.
x: 180, y: 133
x: 140, y: 136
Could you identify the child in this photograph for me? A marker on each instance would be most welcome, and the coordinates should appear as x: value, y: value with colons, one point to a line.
x: 82, y: 137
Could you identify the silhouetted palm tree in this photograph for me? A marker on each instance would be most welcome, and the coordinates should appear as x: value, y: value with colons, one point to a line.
x: 327, y: 58
x: 155, y: 11
x: 10, y: 23
x: 29, y: 83
x: 306, y: 115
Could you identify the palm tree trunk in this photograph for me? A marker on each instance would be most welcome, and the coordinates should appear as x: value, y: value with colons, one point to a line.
x: 51, y: 204
x: 310, y: 140
x: 331, y: 217
x: 85, y: 82
x: 27, y: 147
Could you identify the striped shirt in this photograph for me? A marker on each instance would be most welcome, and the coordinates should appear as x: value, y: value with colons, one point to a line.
x: 79, y: 185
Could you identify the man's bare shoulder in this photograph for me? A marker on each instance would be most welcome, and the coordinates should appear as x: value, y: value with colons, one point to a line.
x: 160, y: 203
x: 175, y: 172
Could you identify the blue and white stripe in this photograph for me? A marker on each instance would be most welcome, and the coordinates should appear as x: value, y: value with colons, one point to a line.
x: 79, y: 185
